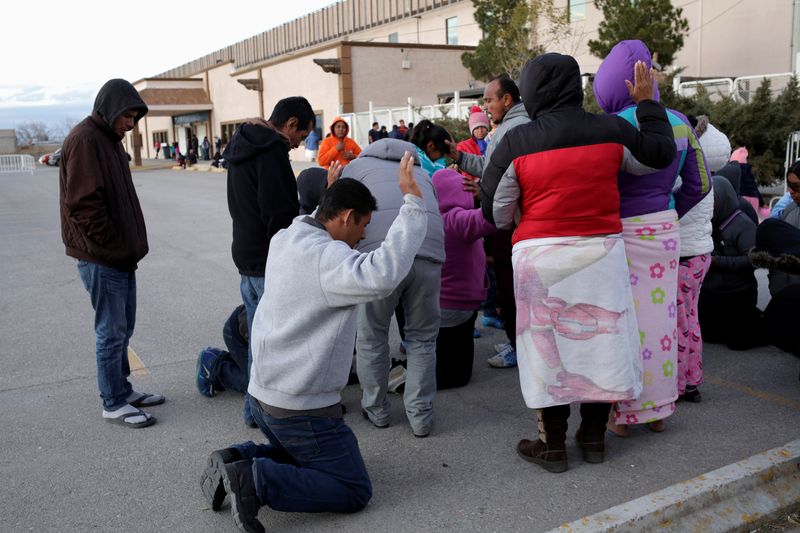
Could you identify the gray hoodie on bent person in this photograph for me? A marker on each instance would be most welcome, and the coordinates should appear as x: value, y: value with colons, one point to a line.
x: 376, y: 167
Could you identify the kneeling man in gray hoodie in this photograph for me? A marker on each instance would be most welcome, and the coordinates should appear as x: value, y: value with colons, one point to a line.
x: 302, y: 342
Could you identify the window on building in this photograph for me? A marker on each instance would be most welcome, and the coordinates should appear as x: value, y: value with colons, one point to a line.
x: 159, y: 137
x: 451, y: 30
x: 393, y: 37
x: 227, y: 131
x: 577, y: 9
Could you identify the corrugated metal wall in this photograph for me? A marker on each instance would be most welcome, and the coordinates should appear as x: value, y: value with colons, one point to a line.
x: 327, y: 24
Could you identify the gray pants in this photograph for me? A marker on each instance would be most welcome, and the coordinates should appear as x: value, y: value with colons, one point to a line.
x: 419, y: 292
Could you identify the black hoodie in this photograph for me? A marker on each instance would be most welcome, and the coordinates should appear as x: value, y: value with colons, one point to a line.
x: 734, y: 235
x: 584, y: 149
x: 101, y: 219
x: 733, y: 173
x: 262, y: 194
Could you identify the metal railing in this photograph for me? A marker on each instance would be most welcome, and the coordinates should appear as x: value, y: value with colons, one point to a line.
x: 17, y: 163
x: 361, y: 122
x: 792, y: 154
x: 716, y: 87
x: 741, y: 89
x: 746, y: 86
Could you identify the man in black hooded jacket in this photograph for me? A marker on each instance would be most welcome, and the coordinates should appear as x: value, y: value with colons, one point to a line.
x: 262, y: 195
x: 103, y: 228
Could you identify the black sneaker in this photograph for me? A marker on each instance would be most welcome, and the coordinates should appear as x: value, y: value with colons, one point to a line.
x: 211, y: 479
x: 238, y: 480
x: 691, y: 395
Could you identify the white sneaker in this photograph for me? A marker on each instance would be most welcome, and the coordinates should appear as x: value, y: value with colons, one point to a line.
x: 502, y: 346
x: 397, y: 378
x: 505, y: 359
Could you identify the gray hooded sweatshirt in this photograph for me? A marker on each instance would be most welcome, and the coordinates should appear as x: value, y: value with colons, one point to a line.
x: 377, y: 168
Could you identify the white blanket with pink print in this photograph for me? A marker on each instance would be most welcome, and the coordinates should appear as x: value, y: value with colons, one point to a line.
x: 577, y: 337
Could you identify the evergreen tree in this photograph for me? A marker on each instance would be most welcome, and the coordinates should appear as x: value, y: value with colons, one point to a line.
x: 656, y: 22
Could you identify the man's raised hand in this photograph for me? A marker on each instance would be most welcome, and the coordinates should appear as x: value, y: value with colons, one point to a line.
x: 334, y: 172
x: 405, y: 176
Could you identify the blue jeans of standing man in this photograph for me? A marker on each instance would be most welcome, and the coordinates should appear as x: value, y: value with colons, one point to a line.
x: 251, y: 288
x: 113, y: 296
x: 311, y: 464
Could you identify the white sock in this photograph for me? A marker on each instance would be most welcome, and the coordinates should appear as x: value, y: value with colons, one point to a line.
x: 124, y: 410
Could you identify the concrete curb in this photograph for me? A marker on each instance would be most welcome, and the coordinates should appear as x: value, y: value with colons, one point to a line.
x: 737, y: 497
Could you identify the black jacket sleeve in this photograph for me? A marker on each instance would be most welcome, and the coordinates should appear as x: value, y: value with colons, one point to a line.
x: 277, y: 192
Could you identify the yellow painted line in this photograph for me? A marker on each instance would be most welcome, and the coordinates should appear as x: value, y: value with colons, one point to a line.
x: 755, y: 393
x: 137, y: 367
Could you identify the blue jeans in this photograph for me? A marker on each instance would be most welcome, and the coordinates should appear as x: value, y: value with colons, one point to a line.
x: 229, y: 370
x: 311, y: 464
x: 251, y: 288
x: 113, y: 296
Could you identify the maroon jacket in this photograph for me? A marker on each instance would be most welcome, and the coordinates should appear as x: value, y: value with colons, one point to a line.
x: 101, y: 219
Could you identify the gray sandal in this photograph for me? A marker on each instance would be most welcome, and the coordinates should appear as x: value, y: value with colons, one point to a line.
x: 148, y: 400
x: 122, y: 420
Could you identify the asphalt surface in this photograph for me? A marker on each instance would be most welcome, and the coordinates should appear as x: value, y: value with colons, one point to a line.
x: 64, y: 469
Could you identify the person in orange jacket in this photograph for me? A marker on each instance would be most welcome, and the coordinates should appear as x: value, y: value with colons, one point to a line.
x: 338, y: 146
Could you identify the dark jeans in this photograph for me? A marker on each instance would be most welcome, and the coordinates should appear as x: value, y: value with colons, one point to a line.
x: 251, y: 288
x: 732, y: 319
x: 229, y: 370
x: 490, y: 304
x: 311, y: 464
x: 455, y: 351
x: 113, y: 296
x: 505, y: 283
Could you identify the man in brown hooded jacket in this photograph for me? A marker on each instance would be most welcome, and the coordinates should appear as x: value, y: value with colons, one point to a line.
x: 102, y: 226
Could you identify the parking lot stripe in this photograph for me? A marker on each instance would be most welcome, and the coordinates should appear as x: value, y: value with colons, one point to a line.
x: 137, y: 367
x: 774, y: 398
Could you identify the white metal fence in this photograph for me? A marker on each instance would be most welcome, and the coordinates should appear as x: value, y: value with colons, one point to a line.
x: 17, y: 163
x: 361, y: 123
x: 742, y: 88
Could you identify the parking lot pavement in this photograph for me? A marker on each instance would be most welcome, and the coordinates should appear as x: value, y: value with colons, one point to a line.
x: 66, y: 470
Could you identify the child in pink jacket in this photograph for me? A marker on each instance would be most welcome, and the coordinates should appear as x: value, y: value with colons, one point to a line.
x: 464, y: 280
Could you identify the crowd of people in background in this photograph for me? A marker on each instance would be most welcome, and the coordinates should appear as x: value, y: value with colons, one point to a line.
x: 609, y: 248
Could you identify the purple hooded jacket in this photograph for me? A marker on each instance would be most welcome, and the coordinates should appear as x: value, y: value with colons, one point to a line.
x: 651, y: 193
x: 464, y: 281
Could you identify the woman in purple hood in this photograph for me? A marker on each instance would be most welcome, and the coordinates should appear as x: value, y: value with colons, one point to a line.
x: 650, y: 212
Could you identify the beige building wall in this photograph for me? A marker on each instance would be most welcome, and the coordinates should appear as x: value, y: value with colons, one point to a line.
x: 302, y: 77
x: 232, y: 101
x: 155, y: 124
x: 378, y: 76
x: 431, y: 28
x: 725, y: 39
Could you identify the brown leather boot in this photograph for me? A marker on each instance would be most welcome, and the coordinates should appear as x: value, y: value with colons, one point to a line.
x: 549, y: 450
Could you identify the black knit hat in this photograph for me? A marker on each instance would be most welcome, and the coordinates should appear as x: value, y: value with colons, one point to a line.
x: 777, y: 246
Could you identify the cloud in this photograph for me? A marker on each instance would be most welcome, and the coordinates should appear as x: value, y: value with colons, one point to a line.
x: 12, y: 96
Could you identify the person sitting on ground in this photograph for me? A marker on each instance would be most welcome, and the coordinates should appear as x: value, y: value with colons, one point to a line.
x: 218, y: 370
x: 464, y: 278
x: 191, y: 158
x: 727, y: 307
x: 311, y: 184
x: 338, y: 146
x: 778, y: 248
x: 217, y: 160
x: 300, y: 365
x: 780, y: 279
x: 732, y: 172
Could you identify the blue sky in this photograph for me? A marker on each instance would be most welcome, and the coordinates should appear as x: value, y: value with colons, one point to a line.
x: 58, y: 54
